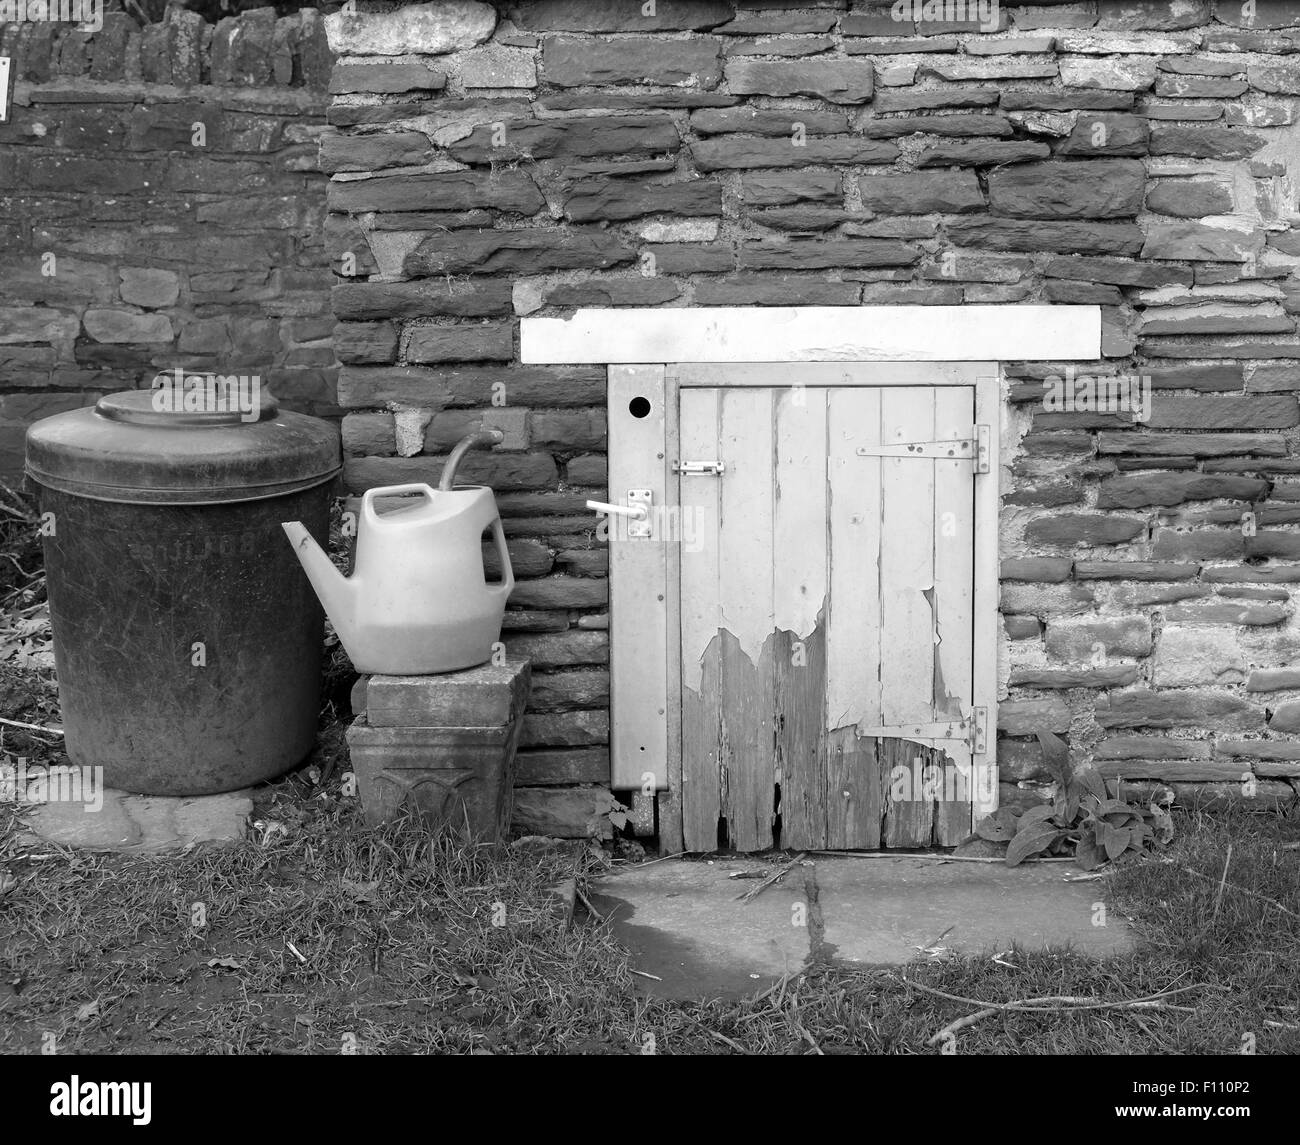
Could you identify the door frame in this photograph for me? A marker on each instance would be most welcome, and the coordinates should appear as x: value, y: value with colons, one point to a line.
x: 645, y: 640
x: 652, y: 353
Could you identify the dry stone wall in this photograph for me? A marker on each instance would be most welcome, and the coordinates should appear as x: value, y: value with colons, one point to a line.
x: 493, y: 162
x: 161, y: 207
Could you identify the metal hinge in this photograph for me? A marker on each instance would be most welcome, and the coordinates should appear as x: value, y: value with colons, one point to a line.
x: 700, y: 468
x: 971, y: 731
x: 957, y: 449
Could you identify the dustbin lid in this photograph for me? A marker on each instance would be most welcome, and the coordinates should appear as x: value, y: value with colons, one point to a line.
x: 132, y: 447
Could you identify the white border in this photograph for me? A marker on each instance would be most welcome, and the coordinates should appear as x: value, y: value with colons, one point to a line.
x: 738, y: 334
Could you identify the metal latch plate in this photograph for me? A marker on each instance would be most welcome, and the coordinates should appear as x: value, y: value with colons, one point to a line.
x: 644, y: 527
x: 971, y: 731
x: 956, y: 449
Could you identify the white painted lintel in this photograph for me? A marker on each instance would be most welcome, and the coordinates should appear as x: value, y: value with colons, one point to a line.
x: 814, y: 334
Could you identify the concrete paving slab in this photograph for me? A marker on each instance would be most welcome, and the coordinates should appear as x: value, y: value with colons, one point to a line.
x: 884, y: 911
x: 142, y: 823
x: 682, y: 923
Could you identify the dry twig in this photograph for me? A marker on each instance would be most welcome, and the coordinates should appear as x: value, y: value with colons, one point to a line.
x: 15, y: 513
x: 587, y: 903
x: 1243, y: 890
x: 31, y: 727
x: 901, y: 855
x: 726, y: 1041
x: 767, y: 882
x: 1223, y: 881
x: 1049, y: 1004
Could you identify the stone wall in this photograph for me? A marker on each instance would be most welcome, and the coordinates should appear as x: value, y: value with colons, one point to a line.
x: 493, y: 163
x: 160, y: 206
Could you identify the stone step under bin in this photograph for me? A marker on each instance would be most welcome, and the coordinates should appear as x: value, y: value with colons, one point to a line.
x: 444, y: 743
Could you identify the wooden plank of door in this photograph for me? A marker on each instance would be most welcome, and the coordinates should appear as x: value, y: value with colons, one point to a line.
x: 873, y: 375
x: 701, y: 659
x: 988, y: 624
x: 854, y: 797
x: 669, y: 801
x: 954, y: 591
x: 799, y: 590
x: 748, y: 638
x: 908, y: 618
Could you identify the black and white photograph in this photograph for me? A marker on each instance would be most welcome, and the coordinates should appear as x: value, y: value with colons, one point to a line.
x: 659, y: 528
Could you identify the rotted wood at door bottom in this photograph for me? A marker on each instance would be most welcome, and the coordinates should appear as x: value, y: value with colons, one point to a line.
x: 826, y: 591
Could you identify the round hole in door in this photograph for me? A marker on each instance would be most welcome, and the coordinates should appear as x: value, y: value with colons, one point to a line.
x: 639, y: 407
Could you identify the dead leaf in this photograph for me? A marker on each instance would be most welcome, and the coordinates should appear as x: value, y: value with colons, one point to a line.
x: 269, y: 829
x: 1000, y: 827
x: 1162, y: 823
x: 88, y: 1011
x: 225, y: 964
x: 362, y: 892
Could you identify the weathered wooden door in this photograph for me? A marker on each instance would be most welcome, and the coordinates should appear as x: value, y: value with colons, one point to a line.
x: 827, y: 613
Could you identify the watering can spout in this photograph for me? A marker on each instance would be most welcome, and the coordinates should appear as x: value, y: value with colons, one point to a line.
x: 337, y: 593
x: 480, y: 440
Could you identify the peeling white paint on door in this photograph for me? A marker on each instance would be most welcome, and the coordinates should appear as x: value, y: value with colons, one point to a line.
x: 836, y: 591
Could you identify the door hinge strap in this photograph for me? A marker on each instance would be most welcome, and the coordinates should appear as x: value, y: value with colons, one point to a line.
x: 971, y: 731
x: 955, y: 449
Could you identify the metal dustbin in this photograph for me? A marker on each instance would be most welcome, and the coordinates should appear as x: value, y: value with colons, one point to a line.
x: 187, y: 638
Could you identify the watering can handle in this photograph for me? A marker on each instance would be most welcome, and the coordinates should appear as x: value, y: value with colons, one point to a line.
x: 368, y: 498
x: 507, y: 584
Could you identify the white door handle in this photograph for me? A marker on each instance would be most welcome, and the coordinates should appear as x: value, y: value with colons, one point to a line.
x: 635, y: 512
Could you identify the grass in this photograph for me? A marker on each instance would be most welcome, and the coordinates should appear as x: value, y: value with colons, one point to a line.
x: 407, y: 944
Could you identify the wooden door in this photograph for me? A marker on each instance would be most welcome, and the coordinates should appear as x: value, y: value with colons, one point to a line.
x: 827, y: 615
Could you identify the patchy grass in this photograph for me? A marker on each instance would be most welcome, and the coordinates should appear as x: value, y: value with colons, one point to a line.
x: 406, y: 944
x: 413, y: 945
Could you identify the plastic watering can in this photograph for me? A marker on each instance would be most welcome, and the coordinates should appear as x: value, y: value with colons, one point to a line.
x: 417, y: 601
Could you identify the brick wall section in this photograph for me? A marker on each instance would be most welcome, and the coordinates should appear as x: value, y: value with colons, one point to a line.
x: 1140, y: 156
x: 168, y: 246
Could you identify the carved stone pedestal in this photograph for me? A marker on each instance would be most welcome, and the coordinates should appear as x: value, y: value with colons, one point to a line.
x: 443, y: 744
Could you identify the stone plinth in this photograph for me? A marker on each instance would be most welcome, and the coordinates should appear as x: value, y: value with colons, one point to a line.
x: 444, y: 745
